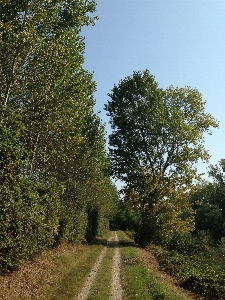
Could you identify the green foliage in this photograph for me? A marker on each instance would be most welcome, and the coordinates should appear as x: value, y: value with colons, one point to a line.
x: 157, y: 138
x: 185, y: 243
x: 209, y: 218
x: 11, y: 156
x: 54, y: 171
x: 208, y: 201
x: 73, y: 221
x: 123, y: 217
x: 217, y: 195
x: 195, y: 262
x: 29, y: 220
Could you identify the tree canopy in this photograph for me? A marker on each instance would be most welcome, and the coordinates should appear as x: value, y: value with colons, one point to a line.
x: 157, y: 137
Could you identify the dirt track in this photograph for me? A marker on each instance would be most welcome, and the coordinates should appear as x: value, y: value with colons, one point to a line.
x: 116, y: 289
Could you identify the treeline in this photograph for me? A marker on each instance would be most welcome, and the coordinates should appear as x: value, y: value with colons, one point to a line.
x: 54, y: 173
x: 209, y: 203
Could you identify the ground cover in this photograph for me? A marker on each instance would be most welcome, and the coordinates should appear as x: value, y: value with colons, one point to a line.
x: 60, y: 273
x: 141, y: 282
x: 102, y: 286
x: 202, y: 271
x: 57, y: 273
x: 73, y: 273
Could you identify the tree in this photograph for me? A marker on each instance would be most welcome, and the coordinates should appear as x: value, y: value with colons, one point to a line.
x: 217, y: 173
x: 157, y: 137
x: 41, y: 57
x: 210, y: 211
x: 51, y: 141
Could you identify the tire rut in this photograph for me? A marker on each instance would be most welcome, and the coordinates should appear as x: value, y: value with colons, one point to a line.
x: 116, y: 289
x: 116, y: 292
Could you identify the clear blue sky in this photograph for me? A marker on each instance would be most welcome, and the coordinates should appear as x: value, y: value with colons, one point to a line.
x: 181, y: 42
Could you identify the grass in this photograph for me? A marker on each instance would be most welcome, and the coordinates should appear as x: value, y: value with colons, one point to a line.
x: 55, y: 274
x: 101, y: 288
x: 72, y: 270
x: 139, y: 283
x: 61, y: 273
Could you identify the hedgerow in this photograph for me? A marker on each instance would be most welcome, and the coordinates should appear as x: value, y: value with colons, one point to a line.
x: 196, y: 263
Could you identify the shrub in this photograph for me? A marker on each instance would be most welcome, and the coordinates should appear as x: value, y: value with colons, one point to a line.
x: 28, y: 220
x: 185, y: 243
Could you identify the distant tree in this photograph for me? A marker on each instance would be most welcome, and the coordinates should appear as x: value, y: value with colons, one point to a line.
x: 157, y: 138
x: 123, y: 217
x: 210, y: 210
x: 217, y: 173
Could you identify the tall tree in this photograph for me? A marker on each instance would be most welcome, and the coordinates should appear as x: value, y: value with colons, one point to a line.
x: 41, y: 57
x: 158, y: 136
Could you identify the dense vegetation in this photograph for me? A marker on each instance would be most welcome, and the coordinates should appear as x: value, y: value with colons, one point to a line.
x: 196, y: 262
x: 156, y: 140
x: 54, y: 173
x: 157, y: 137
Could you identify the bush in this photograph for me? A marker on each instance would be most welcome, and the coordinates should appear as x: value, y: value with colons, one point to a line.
x: 73, y: 218
x: 185, y: 243
x: 28, y: 220
x: 200, y: 270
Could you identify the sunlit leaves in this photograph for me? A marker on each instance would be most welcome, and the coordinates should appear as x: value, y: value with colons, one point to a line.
x: 161, y: 132
x: 46, y: 108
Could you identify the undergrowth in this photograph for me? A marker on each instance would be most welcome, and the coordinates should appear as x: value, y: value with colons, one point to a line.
x: 196, y: 262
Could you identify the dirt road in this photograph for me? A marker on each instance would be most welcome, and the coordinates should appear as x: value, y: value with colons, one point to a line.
x: 116, y: 289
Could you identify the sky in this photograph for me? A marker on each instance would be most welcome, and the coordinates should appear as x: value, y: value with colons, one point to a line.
x: 181, y: 43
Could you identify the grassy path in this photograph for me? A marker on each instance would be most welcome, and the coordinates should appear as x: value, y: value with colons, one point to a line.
x: 103, y: 291
x: 88, y: 284
x: 137, y: 281
x: 124, y: 272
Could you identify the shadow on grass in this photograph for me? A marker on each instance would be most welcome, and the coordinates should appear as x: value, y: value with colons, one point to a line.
x: 122, y: 243
x: 104, y: 242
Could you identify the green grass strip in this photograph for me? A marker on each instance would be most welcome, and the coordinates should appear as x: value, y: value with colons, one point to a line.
x: 102, y: 286
x: 139, y: 283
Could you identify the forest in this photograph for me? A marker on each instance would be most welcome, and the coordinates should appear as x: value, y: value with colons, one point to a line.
x: 56, y: 175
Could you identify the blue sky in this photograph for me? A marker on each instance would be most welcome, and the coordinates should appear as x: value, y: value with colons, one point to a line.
x: 181, y: 42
